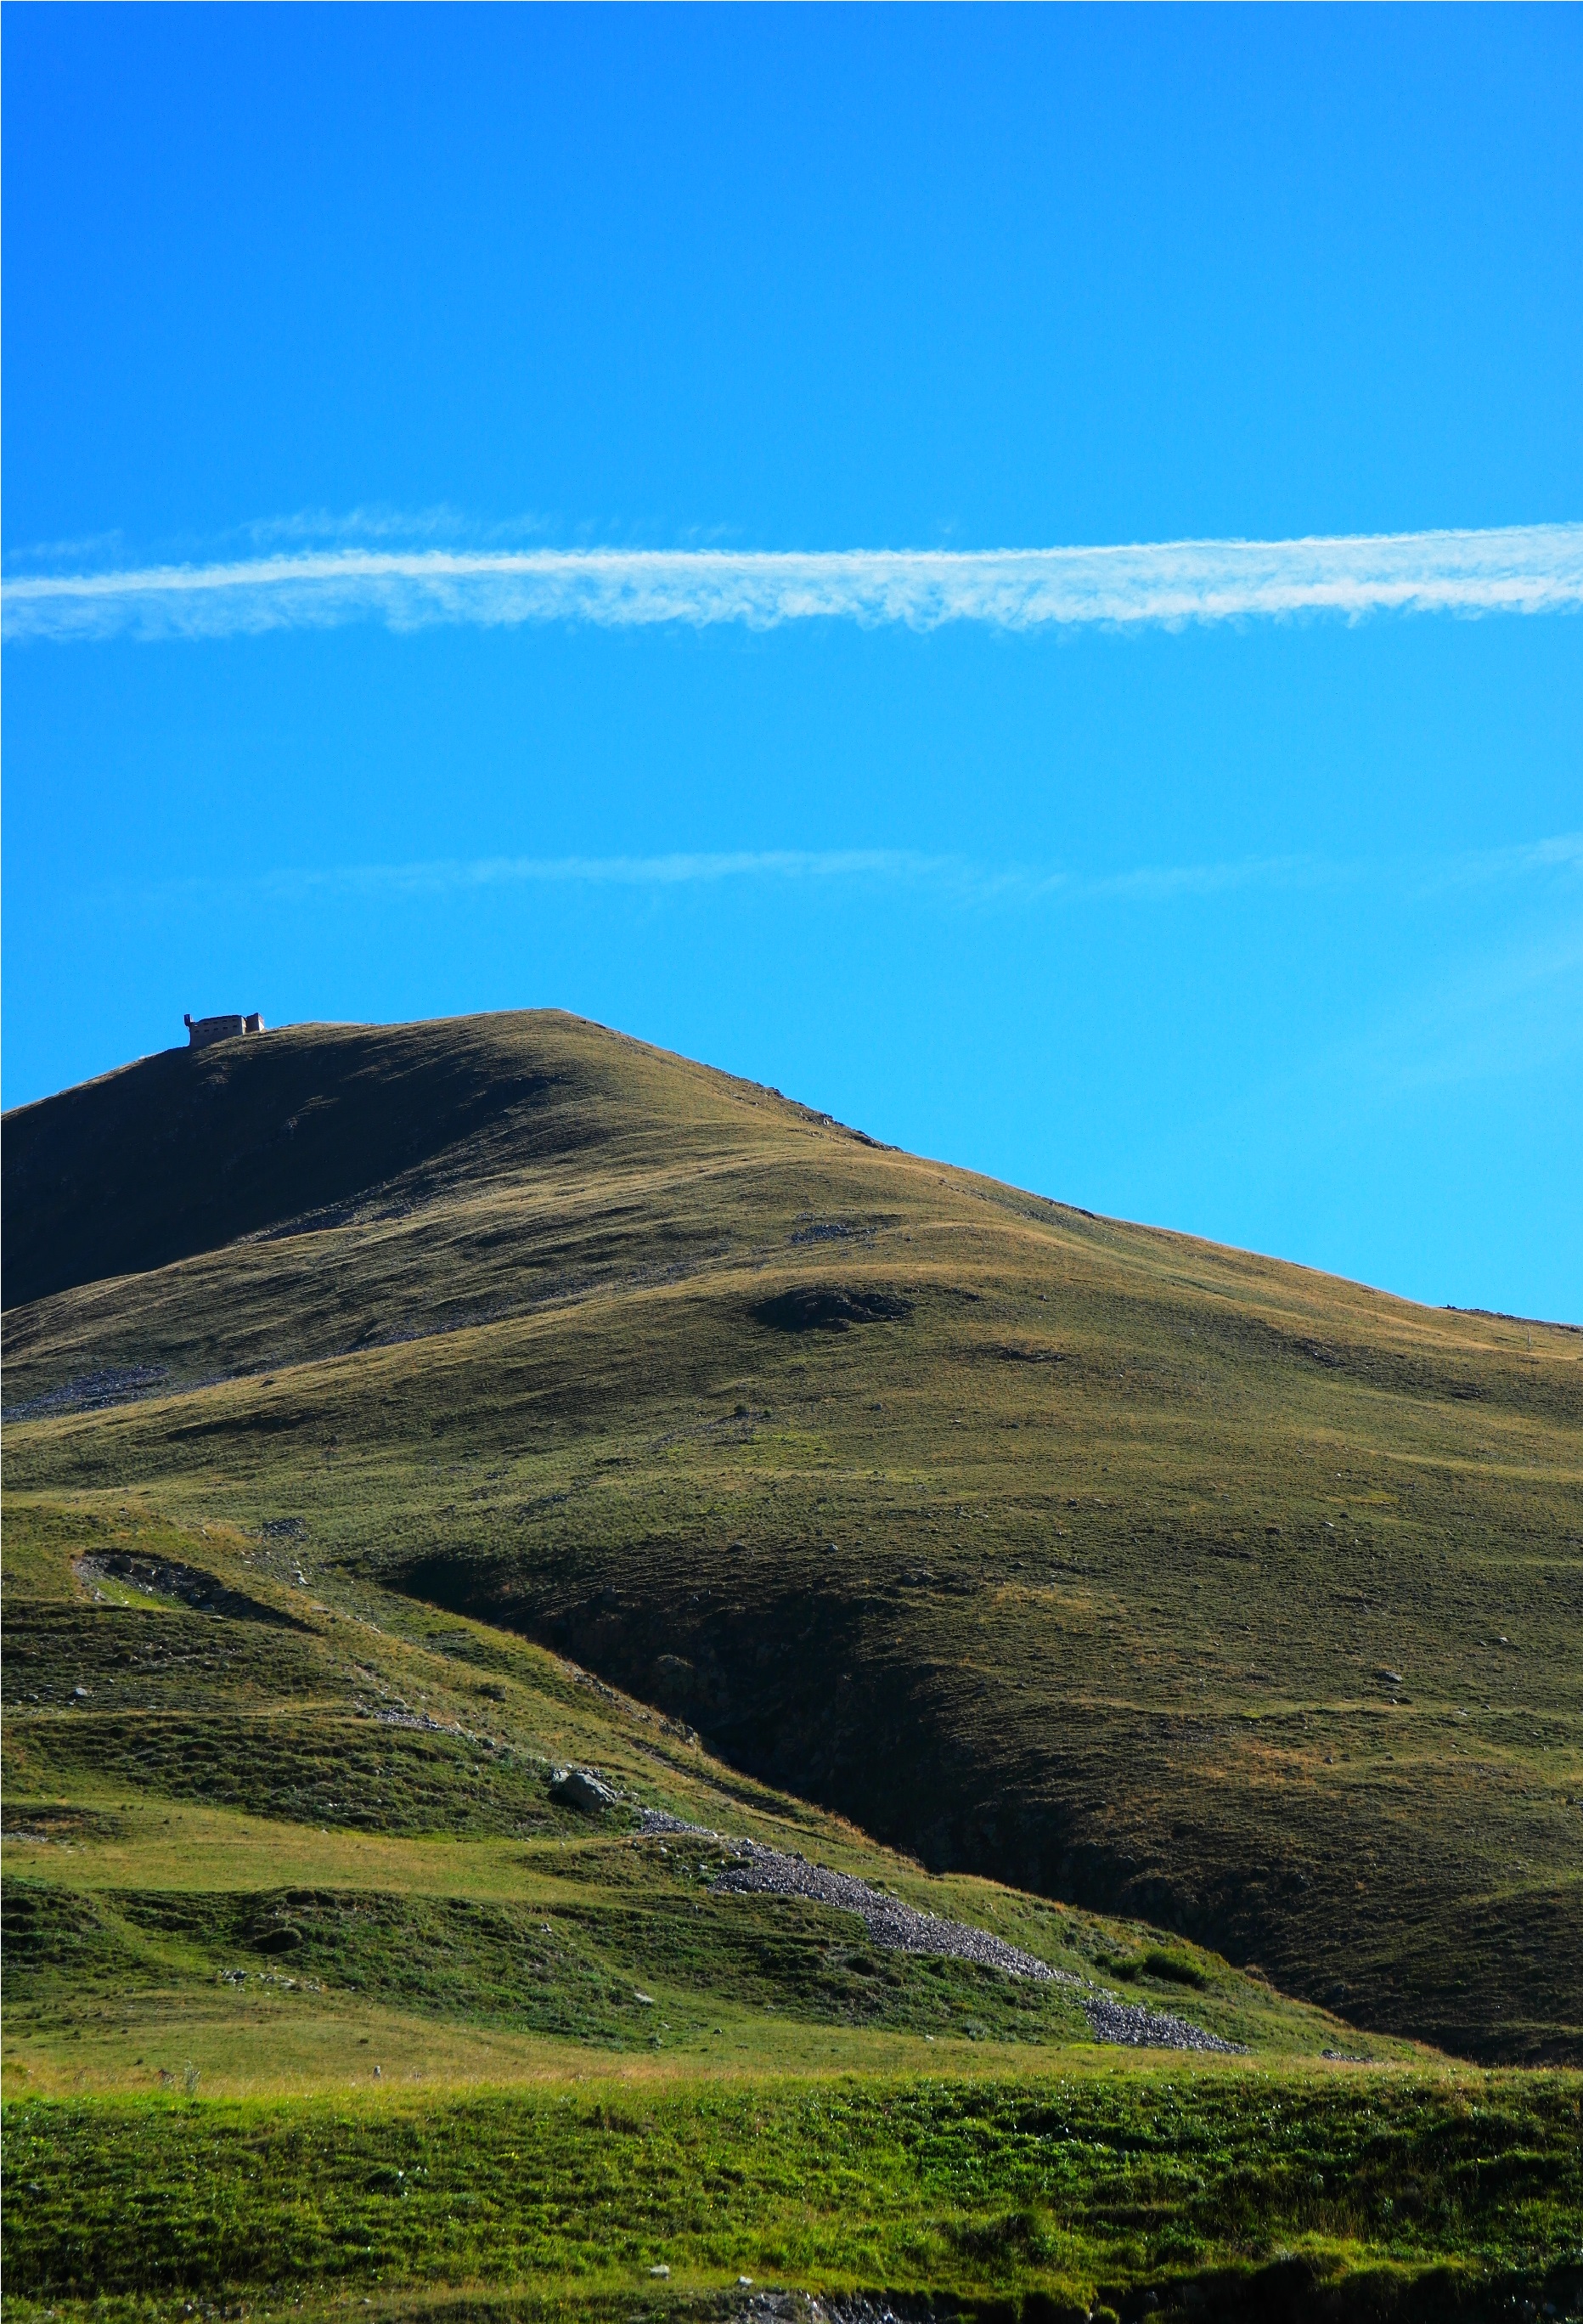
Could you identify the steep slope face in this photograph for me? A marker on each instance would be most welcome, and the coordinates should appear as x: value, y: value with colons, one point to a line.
x: 320, y: 1188
x: 188, y: 1152
x: 1150, y: 1575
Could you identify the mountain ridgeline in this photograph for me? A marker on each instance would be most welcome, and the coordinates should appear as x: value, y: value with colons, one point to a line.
x: 1151, y: 1576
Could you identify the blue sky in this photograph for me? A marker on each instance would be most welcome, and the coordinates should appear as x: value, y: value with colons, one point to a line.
x: 1267, y: 924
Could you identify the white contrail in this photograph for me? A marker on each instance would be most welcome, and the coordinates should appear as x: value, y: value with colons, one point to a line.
x: 448, y: 875
x: 1520, y: 568
x: 1561, y: 858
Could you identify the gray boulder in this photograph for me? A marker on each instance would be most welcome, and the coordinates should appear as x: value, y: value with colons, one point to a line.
x: 580, y: 1788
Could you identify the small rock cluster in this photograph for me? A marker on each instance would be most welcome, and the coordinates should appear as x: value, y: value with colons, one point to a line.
x: 852, y: 2307
x: 1150, y: 2029
x: 893, y: 1925
x: 94, y: 1391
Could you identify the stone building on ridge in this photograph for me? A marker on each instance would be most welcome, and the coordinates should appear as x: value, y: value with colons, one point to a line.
x: 203, y: 1031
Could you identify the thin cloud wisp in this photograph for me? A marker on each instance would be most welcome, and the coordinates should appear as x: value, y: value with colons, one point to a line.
x: 1559, y: 858
x: 1523, y: 569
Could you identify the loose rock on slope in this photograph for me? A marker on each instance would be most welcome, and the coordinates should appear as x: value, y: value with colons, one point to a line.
x: 896, y: 1927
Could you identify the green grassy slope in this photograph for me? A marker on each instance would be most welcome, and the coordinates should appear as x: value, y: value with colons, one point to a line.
x: 316, y: 1995
x: 1143, y: 1574
x: 230, y: 1800
x: 1059, y: 2200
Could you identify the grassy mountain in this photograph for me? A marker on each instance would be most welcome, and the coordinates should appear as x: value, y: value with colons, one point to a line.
x: 396, y: 1417
x: 1148, y: 1575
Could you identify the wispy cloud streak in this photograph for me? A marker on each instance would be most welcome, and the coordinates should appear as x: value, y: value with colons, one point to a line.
x: 1558, y: 860
x: 447, y: 876
x: 1523, y: 569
